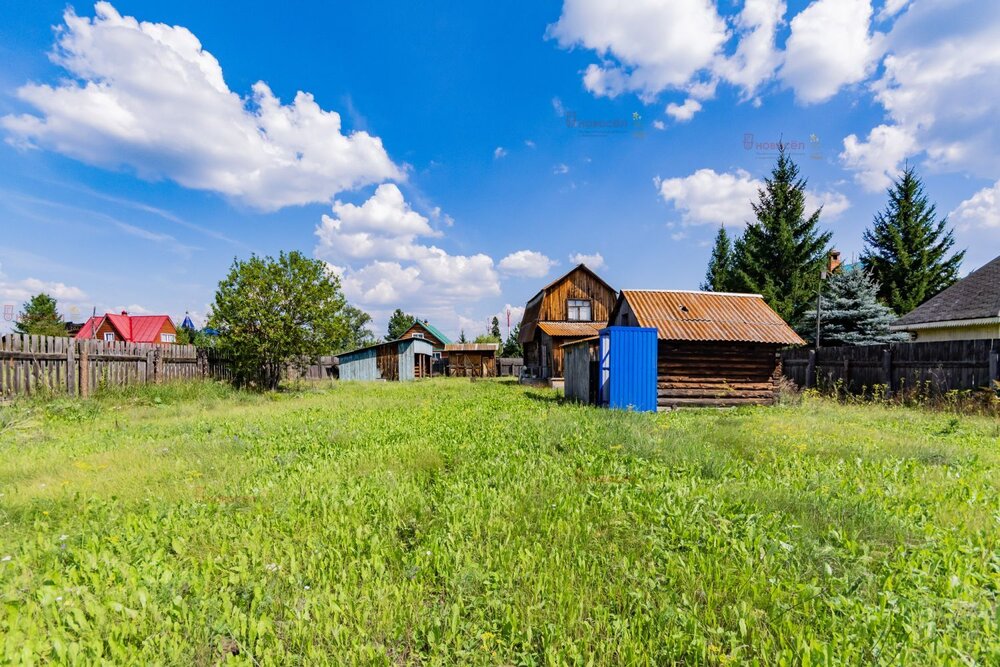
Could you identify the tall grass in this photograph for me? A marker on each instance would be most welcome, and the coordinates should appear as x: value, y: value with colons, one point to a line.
x: 453, y: 522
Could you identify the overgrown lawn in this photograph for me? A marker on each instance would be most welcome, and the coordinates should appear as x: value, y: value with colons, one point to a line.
x: 454, y: 522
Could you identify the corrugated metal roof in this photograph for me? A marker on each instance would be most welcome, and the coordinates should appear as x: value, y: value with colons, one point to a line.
x: 132, y: 328
x: 571, y: 328
x: 471, y: 347
x: 710, y: 316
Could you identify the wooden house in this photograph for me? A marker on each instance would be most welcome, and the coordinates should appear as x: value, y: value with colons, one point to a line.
x: 129, y: 328
x: 395, y: 361
x: 472, y: 359
x: 425, y: 330
x: 575, y: 306
x: 712, y: 348
x: 968, y: 310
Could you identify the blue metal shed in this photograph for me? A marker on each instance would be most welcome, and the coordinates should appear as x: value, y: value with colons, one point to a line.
x: 626, y: 358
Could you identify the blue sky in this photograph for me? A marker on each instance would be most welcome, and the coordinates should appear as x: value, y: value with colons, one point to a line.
x: 428, y: 155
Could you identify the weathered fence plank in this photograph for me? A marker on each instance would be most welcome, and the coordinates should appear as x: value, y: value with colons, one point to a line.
x: 940, y: 367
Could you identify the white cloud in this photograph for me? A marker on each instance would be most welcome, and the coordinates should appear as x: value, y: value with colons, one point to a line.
x: 709, y: 197
x: 526, y: 263
x: 659, y: 125
x: 678, y: 236
x: 22, y: 290
x: 594, y: 261
x: 756, y: 57
x: 558, y: 107
x: 684, y: 112
x: 499, y: 152
x: 891, y: 8
x: 830, y: 46
x: 560, y: 168
x: 646, y: 47
x: 375, y: 249
x: 939, y: 83
x: 877, y: 159
x: 980, y: 211
x: 148, y: 96
x: 529, y: 143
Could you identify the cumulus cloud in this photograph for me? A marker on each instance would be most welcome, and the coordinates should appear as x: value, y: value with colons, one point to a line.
x: 149, y: 97
x: 594, y: 261
x: 526, y: 263
x: 684, y: 112
x: 756, y: 57
x: 980, y: 211
x: 646, y: 47
x: 499, y: 152
x: 877, y: 159
x: 830, y: 46
x: 709, y: 197
x: 22, y: 290
x: 376, y: 250
x: 560, y: 168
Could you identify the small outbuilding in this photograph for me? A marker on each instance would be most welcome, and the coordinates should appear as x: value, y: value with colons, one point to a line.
x: 712, y: 348
x: 395, y: 361
x: 477, y: 360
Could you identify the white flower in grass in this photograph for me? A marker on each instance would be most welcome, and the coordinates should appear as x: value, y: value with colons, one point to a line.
x: 271, y: 567
x: 5, y: 559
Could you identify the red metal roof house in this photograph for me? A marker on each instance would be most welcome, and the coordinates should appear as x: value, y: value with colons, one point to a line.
x: 129, y: 328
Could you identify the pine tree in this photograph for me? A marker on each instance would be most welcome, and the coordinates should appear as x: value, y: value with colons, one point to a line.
x: 782, y: 252
x: 851, y: 313
x: 40, y: 317
x: 495, y: 329
x: 719, y: 276
x: 907, y: 249
x: 461, y: 337
x: 512, y: 346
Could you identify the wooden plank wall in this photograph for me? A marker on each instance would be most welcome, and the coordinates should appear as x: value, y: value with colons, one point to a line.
x: 472, y: 364
x: 938, y: 366
x: 577, y: 285
x: 48, y: 364
x: 715, y: 374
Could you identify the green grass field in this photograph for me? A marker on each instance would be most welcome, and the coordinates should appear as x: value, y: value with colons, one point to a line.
x: 485, y: 523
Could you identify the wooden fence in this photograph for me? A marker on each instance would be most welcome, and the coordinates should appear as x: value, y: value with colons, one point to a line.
x: 35, y: 364
x: 940, y: 367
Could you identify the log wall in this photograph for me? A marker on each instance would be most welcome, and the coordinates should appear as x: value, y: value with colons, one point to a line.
x: 716, y: 374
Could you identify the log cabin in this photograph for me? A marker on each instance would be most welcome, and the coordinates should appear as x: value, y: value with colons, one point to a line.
x: 713, y: 348
x: 572, y: 307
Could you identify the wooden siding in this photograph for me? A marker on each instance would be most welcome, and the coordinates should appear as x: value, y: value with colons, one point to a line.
x: 418, y: 327
x: 472, y: 363
x: 577, y: 284
x: 581, y: 372
x: 716, y: 374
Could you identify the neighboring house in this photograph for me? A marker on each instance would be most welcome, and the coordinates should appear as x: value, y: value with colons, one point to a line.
x: 713, y: 348
x: 396, y: 361
x: 968, y: 310
x: 129, y: 328
x: 568, y: 309
x: 430, y: 333
x: 472, y: 359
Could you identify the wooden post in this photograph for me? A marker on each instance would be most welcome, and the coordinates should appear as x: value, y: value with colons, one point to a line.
x: 202, y: 356
x: 811, y: 370
x: 70, y: 367
x: 994, y: 368
x: 887, y: 370
x: 150, y: 367
x: 84, y: 369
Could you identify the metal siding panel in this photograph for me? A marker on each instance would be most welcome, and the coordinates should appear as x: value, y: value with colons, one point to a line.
x: 631, y: 367
x: 406, y: 359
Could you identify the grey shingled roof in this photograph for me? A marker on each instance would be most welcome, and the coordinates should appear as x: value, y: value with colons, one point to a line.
x: 976, y: 296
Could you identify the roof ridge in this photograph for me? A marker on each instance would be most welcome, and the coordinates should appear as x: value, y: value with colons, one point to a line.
x: 695, y: 291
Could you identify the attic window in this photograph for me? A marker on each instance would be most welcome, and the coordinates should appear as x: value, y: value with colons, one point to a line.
x: 417, y: 334
x: 578, y: 309
x: 109, y: 337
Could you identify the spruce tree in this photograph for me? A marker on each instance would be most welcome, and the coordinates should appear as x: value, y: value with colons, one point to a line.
x: 40, y: 317
x: 512, y: 347
x: 719, y: 276
x: 495, y: 329
x: 908, y: 250
x: 851, y: 313
x: 782, y: 252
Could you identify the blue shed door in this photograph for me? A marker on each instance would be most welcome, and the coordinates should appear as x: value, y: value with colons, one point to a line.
x: 627, y: 358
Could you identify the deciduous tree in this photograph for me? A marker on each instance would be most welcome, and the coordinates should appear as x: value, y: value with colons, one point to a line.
x: 274, y: 312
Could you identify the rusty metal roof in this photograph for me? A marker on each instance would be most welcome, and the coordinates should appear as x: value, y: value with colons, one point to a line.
x: 471, y: 347
x: 572, y: 328
x: 709, y: 316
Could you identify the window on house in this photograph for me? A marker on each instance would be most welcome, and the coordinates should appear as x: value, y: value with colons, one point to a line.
x: 109, y: 337
x: 578, y: 309
x: 417, y: 334
x: 168, y: 338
